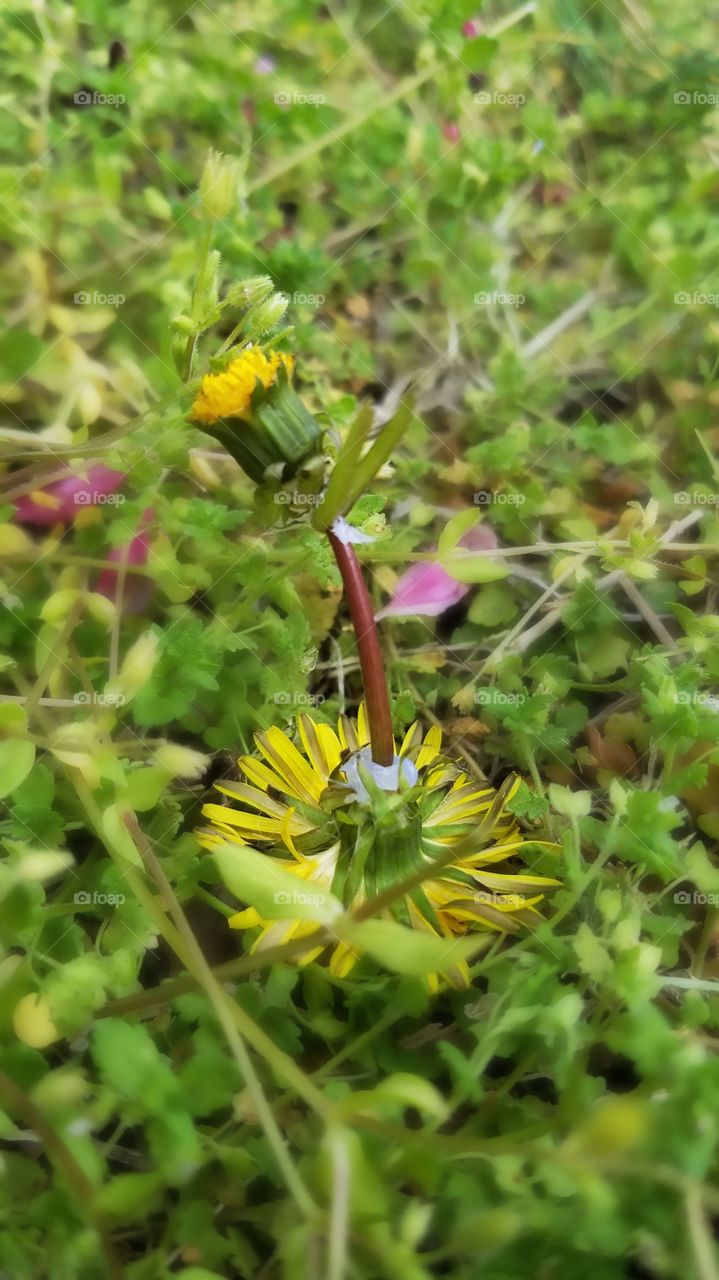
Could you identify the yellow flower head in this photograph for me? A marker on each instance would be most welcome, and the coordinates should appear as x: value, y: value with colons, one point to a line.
x: 294, y: 807
x: 229, y: 394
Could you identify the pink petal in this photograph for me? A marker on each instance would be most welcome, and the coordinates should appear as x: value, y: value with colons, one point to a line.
x: 138, y: 590
x: 66, y: 497
x: 425, y: 590
x: 480, y: 538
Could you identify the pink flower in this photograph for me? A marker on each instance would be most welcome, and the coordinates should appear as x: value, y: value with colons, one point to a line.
x: 472, y: 28
x: 138, y: 589
x: 426, y: 590
x: 61, y: 501
x: 451, y: 132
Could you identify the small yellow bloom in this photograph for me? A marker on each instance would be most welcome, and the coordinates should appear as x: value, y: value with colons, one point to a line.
x: 229, y: 394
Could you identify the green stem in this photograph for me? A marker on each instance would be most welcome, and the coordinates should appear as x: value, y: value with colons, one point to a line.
x: 196, y: 299
x: 227, y: 1012
x: 339, y: 1216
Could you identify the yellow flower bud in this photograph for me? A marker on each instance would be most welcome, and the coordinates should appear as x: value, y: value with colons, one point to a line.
x: 181, y: 762
x: 33, y: 1023
x: 136, y: 669
x: 58, y: 605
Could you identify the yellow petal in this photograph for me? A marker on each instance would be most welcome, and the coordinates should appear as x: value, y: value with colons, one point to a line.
x: 291, y: 765
x: 343, y: 960
x: 252, y: 824
x: 411, y: 739
x: 321, y: 745
x: 263, y: 777
x: 252, y: 796
x: 507, y: 884
x: 348, y: 733
x: 286, y: 835
x: 247, y: 919
x: 430, y: 747
x: 362, y: 726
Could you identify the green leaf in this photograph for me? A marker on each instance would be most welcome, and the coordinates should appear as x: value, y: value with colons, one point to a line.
x: 130, y: 1196
x: 32, y: 816
x: 18, y: 352
x: 356, y: 472
x: 132, y: 1066
x: 17, y: 757
x: 468, y: 566
x: 406, y: 950
x: 593, y: 957
x: 277, y: 894
x: 571, y: 804
x: 399, y: 1090
x: 145, y: 787
x: 118, y: 836
x: 492, y: 607
x: 456, y: 528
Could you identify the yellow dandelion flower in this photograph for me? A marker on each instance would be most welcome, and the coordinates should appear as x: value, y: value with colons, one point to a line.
x: 253, y: 410
x: 296, y: 806
x: 229, y: 394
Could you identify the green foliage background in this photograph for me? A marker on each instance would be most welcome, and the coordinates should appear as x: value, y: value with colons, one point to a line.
x: 560, y: 1119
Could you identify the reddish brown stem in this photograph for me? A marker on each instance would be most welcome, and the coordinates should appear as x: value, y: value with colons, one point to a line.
x: 370, y: 653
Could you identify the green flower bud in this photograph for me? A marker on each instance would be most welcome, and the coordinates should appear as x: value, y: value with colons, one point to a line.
x: 265, y: 315
x: 219, y: 185
x: 247, y: 292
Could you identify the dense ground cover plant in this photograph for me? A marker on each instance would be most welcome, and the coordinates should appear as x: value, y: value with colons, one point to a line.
x: 487, y: 240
